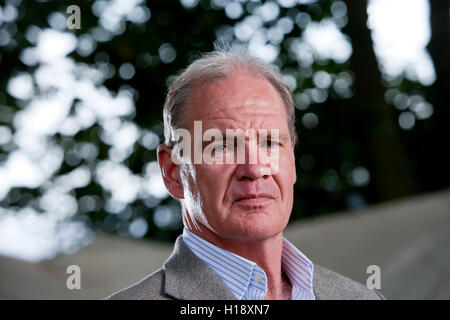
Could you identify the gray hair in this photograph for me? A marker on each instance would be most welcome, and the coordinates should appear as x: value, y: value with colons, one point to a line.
x: 217, y: 65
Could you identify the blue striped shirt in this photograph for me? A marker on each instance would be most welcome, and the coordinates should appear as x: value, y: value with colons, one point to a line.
x: 244, y: 278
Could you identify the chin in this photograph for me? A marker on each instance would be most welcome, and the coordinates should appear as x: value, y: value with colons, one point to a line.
x: 260, y: 228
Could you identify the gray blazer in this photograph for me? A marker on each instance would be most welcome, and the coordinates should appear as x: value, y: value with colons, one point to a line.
x: 184, y: 276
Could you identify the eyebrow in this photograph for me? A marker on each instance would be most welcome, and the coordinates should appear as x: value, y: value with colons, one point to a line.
x: 282, y: 137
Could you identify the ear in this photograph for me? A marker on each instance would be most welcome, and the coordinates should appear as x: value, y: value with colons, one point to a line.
x: 169, y: 172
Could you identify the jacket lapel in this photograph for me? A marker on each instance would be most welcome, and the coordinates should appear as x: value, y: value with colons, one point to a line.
x: 189, y: 278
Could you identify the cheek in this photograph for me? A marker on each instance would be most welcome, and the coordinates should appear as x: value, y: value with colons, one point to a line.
x: 210, y: 173
x: 294, y: 171
x: 285, y: 179
x: 213, y: 182
x: 287, y: 170
x: 188, y: 178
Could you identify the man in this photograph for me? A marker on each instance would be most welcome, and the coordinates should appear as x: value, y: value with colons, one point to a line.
x: 234, y: 212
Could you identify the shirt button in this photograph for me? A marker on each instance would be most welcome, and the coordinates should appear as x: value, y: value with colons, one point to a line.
x: 258, y: 278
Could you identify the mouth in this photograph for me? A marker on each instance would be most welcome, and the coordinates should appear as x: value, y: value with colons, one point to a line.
x: 254, y: 200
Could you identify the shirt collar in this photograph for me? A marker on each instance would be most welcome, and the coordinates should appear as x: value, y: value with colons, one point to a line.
x: 240, y: 274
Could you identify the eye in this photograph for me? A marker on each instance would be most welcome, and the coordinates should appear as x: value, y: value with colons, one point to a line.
x: 220, y: 148
x: 270, y: 143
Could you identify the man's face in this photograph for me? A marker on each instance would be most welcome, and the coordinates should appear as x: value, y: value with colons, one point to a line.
x: 213, y: 193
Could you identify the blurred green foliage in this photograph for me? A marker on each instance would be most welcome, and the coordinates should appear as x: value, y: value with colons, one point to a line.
x: 356, y: 154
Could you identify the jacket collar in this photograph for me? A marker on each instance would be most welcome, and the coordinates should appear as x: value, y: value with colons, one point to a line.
x: 189, y: 278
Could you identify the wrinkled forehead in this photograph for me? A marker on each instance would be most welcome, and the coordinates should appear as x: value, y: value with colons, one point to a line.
x: 241, y: 96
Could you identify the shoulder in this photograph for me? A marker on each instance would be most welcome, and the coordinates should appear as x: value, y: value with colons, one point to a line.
x: 149, y: 288
x: 329, y: 285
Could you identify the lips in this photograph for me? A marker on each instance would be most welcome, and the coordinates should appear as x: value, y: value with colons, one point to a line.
x: 253, y: 198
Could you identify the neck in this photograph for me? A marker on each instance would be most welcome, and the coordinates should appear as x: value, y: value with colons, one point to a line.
x: 266, y: 253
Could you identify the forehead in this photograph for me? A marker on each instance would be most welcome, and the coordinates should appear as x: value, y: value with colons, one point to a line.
x: 240, y: 100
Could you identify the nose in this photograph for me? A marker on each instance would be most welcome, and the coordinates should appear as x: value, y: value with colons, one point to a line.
x: 256, y: 163
x: 248, y: 171
x: 254, y: 166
